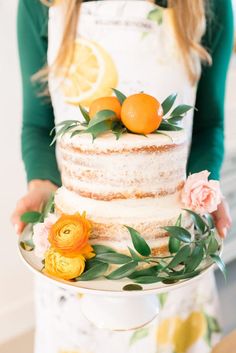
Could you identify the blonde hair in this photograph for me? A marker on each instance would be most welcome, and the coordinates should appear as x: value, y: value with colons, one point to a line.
x: 189, y: 19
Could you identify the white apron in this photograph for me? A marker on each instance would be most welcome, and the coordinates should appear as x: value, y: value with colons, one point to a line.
x: 128, y: 45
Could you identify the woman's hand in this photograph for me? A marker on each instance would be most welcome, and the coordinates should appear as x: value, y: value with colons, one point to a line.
x: 38, y: 193
x: 222, y: 218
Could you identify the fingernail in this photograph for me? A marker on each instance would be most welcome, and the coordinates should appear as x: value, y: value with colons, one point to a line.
x: 16, y: 226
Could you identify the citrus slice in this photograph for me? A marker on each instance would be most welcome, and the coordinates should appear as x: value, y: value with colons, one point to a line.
x: 91, y: 73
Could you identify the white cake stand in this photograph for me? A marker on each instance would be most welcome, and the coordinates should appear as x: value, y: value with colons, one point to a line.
x: 105, y: 303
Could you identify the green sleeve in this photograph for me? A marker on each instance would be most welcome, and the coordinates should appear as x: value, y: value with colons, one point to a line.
x: 207, y: 150
x: 38, y: 118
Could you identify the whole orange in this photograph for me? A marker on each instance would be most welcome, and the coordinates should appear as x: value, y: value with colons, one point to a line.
x: 141, y: 113
x: 105, y: 103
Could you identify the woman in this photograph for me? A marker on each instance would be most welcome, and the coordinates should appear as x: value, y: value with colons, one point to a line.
x: 180, y: 37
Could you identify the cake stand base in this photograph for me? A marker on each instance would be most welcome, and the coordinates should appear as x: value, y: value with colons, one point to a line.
x: 120, y: 313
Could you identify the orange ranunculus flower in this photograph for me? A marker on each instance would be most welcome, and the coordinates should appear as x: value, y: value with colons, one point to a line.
x: 70, y: 234
x: 87, y: 252
x: 62, y: 266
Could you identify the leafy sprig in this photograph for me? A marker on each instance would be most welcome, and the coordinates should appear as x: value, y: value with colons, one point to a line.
x: 107, y: 120
x: 188, y: 253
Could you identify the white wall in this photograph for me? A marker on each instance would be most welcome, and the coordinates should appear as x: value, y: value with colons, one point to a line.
x: 16, y: 312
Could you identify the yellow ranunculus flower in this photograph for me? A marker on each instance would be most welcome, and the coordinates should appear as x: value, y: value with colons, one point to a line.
x: 70, y: 234
x: 87, y: 251
x: 64, y: 267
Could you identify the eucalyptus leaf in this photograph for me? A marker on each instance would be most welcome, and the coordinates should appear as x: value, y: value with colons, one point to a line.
x: 210, y: 220
x: 183, y: 276
x: 139, y: 243
x: 217, y: 259
x: 198, y: 221
x: 121, y: 97
x: 174, y: 245
x: 94, y: 272
x: 179, y: 233
x: 181, y: 109
x: 31, y: 217
x: 114, y: 258
x: 213, y: 246
x: 101, y: 249
x: 91, y: 263
x: 147, y: 279
x: 181, y: 256
x: 123, y: 271
x: 102, y: 115
x: 134, y: 255
x: 195, y: 258
x: 98, y: 129
x: 150, y: 271
x: 85, y: 114
x: 178, y: 222
x: 165, y: 126
x: 168, y: 103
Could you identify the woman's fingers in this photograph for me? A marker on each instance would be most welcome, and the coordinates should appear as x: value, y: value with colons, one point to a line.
x: 222, y: 218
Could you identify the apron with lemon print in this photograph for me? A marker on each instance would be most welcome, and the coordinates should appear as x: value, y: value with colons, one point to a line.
x: 128, y: 45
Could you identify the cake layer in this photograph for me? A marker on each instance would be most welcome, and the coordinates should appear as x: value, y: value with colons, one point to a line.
x: 147, y: 215
x: 132, y: 167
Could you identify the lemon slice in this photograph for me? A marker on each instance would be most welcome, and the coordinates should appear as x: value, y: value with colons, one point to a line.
x: 91, y: 73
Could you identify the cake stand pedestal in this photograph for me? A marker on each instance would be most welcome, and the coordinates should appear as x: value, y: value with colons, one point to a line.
x: 105, y: 302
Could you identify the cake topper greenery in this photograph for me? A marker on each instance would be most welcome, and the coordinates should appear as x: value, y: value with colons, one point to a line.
x: 62, y: 242
x: 138, y: 113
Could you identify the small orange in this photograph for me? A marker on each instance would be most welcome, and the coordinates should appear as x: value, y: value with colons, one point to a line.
x: 103, y: 103
x: 141, y: 113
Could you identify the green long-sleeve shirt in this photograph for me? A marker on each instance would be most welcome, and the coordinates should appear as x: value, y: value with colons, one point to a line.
x: 207, y: 148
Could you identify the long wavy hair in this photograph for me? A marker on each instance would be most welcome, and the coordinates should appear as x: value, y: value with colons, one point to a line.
x: 189, y: 19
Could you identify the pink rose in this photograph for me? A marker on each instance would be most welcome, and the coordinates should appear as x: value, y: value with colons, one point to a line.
x: 40, y: 235
x: 200, y: 194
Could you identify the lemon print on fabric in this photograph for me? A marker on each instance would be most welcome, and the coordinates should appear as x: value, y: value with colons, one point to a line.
x: 91, y: 73
x: 166, y: 330
x: 189, y: 332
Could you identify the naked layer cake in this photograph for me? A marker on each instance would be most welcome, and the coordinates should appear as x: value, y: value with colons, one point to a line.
x: 134, y: 181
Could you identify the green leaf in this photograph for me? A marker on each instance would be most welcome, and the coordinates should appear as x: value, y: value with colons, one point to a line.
x: 174, y: 245
x: 195, y: 258
x: 181, y: 109
x: 77, y: 132
x: 213, y: 246
x: 138, y: 334
x: 123, y: 271
x: 94, y: 272
x: 101, y: 249
x: 168, y: 103
x: 156, y: 15
x: 186, y: 275
x: 165, y: 126
x: 114, y: 258
x: 179, y: 233
x: 121, y: 97
x: 139, y: 243
x: 162, y: 297
x: 85, y: 114
x: 181, y: 256
x: 219, y: 262
x: 210, y: 220
x: 31, y: 217
x: 175, y: 120
x: 102, y: 115
x: 179, y: 220
x: 213, y: 324
x: 198, y: 221
x: 91, y: 263
x: 150, y: 271
x: 98, y: 129
x: 132, y: 286
x: 147, y: 279
x: 134, y: 255
x: 118, y: 129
